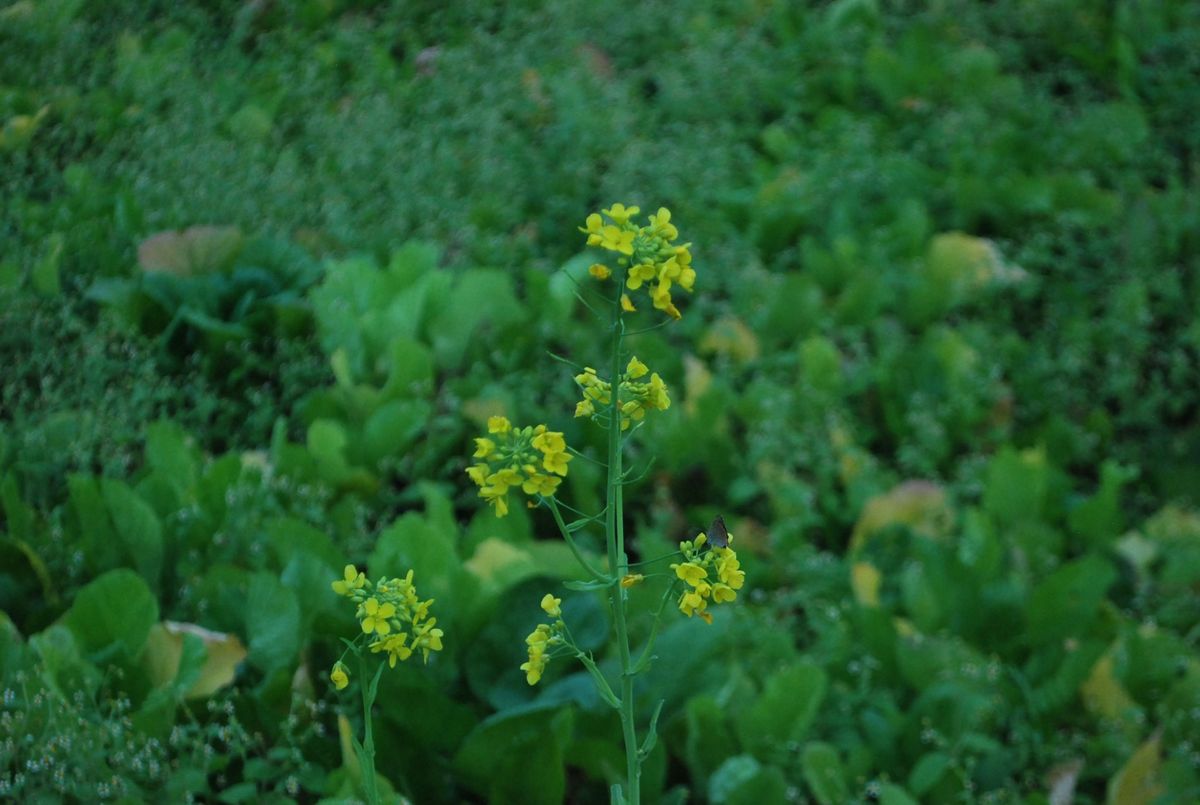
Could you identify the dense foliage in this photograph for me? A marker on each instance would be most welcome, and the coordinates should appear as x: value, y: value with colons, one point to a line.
x: 266, y: 268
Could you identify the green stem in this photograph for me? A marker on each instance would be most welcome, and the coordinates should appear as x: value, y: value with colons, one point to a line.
x: 366, y: 759
x: 566, y: 534
x: 618, y: 562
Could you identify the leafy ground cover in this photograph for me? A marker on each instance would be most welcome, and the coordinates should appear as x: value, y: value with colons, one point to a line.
x: 265, y: 269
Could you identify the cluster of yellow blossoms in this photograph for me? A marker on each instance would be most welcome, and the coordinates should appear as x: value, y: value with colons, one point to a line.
x: 543, y: 638
x: 722, y: 587
x: 390, y: 612
x: 634, y: 396
x: 532, y: 458
x: 647, y: 252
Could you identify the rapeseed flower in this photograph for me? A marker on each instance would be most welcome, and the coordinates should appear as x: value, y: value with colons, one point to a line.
x: 649, y: 254
x: 712, y: 576
x: 391, y: 615
x: 636, y: 397
x: 532, y: 459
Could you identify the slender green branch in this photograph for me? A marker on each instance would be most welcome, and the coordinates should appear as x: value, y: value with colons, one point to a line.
x: 566, y: 535
x: 646, y: 656
x: 619, y: 563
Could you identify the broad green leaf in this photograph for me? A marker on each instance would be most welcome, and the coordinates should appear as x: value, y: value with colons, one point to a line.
x: 272, y: 623
x: 928, y: 772
x: 743, y: 780
x: 1098, y: 519
x: 824, y: 773
x: 517, y: 757
x: 1067, y: 601
x: 783, y: 712
x: 136, y: 528
x: 392, y: 428
x: 1016, y: 485
x: 117, y: 609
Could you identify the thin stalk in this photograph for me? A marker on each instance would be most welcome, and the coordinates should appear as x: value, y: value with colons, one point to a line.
x: 366, y: 761
x: 566, y: 535
x: 618, y: 562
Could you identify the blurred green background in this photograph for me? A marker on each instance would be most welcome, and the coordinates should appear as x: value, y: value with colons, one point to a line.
x: 266, y: 267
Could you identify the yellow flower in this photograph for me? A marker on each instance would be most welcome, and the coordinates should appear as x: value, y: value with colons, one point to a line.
x: 544, y: 485
x: 339, y: 676
x: 616, y: 240
x: 600, y: 271
x: 498, y: 424
x: 626, y: 304
x: 428, y: 638
x: 661, y: 224
x: 638, y: 274
x: 539, y: 635
x: 722, y: 594
x: 690, y: 572
x: 636, y: 368
x: 394, y: 646
x: 691, y: 602
x: 620, y: 214
x: 552, y: 606
x: 351, y: 580
x: 484, y: 447
x: 631, y: 579
x: 594, y: 225
x: 657, y: 397
x: 375, y: 616
x: 584, y: 408
x: 557, y: 463
x: 550, y: 442
x: 536, y: 664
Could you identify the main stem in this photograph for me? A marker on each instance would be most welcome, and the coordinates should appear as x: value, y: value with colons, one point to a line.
x: 366, y: 763
x: 618, y: 562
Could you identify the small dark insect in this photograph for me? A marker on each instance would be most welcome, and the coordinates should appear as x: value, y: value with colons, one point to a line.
x: 718, y: 536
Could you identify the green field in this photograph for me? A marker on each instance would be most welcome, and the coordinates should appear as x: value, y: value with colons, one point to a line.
x: 267, y: 269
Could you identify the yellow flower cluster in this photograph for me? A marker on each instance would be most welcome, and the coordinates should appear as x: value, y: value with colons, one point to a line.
x: 648, y: 253
x: 542, y: 639
x: 532, y: 458
x: 390, y: 612
x: 721, y: 587
x: 635, y: 396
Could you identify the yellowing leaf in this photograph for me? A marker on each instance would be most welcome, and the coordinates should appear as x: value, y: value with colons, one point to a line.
x: 1102, y: 694
x: 164, y: 648
x: 1138, y: 781
x: 865, y: 579
x: 730, y: 337
x: 920, y: 505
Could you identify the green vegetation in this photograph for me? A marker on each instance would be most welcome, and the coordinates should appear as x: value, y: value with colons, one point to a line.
x: 267, y: 268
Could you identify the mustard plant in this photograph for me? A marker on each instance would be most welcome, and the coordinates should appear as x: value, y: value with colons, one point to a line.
x: 395, y: 623
x: 535, y: 459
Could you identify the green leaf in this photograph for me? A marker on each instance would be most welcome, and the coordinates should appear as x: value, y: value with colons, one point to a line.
x: 784, y: 711
x: 1067, y: 601
x: 517, y: 757
x: 928, y: 772
x: 892, y: 794
x: 1098, y: 519
x: 392, y: 427
x: 44, y: 274
x: 412, y: 371
x: 272, y: 623
x: 1016, y: 485
x: 742, y: 780
x: 136, y: 528
x: 824, y: 773
x: 116, y: 610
